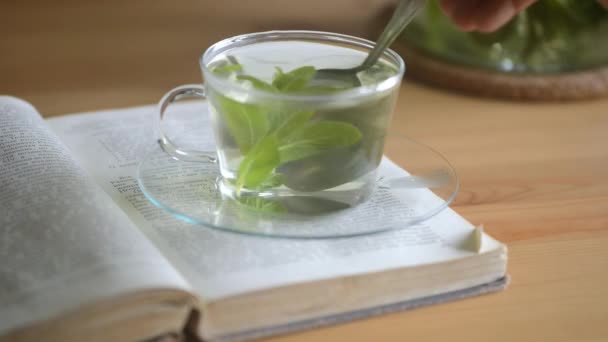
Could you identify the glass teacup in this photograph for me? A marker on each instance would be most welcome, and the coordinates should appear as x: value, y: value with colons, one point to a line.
x: 280, y: 133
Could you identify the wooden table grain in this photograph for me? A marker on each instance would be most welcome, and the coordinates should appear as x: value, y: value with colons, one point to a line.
x: 536, y: 175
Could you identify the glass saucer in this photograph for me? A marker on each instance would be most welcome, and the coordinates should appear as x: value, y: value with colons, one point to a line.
x: 414, y: 183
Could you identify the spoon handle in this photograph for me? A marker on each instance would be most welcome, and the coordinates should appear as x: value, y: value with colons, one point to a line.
x: 404, y: 13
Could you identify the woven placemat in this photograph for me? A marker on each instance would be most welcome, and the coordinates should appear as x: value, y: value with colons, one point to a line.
x: 560, y: 87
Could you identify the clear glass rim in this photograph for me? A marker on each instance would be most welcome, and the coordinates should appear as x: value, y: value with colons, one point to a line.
x: 258, y: 37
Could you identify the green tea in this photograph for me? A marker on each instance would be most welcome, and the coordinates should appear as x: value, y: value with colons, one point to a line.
x: 283, y: 135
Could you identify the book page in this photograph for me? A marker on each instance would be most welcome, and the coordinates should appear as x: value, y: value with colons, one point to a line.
x: 63, y: 242
x: 218, y: 264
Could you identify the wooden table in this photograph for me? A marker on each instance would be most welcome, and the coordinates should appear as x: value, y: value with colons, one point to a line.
x: 536, y: 175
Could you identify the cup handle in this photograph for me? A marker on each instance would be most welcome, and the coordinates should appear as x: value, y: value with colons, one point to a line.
x: 188, y: 90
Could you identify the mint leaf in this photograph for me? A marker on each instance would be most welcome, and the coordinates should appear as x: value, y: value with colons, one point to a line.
x: 321, y: 90
x: 247, y: 123
x: 225, y: 69
x: 257, y: 83
x: 258, y: 164
x: 294, y: 80
x: 291, y: 124
x: 262, y: 205
x: 272, y: 181
x: 276, y: 116
x: 317, y: 138
x: 275, y: 134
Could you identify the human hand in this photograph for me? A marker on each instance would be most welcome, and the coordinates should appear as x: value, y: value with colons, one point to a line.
x: 483, y: 15
x: 486, y: 15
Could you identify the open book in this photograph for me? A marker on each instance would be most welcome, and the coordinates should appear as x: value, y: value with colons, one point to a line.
x: 85, y: 256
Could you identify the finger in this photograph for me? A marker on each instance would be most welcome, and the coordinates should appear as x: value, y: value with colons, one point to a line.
x: 462, y: 14
x: 603, y: 3
x: 491, y: 15
x: 448, y: 6
x: 521, y: 5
